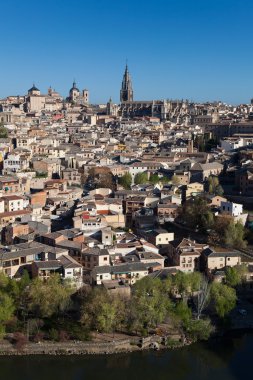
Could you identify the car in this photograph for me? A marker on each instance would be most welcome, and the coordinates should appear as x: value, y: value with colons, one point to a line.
x: 242, y: 311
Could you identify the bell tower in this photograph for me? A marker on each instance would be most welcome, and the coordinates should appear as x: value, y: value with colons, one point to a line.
x: 126, y: 92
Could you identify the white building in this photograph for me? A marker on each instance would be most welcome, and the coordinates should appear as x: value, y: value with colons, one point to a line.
x: 230, y: 208
x: 15, y: 163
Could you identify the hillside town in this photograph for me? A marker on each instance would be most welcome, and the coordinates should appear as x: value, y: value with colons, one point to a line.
x: 105, y: 195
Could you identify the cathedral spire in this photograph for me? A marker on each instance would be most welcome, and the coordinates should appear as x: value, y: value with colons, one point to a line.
x: 126, y: 92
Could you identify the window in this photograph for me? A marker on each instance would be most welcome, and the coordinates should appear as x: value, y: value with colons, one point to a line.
x: 228, y: 258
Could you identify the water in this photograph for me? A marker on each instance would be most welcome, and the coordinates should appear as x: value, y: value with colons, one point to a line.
x: 220, y: 359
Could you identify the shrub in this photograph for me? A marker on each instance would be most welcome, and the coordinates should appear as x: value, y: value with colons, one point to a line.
x: 53, y: 334
x: 19, y: 340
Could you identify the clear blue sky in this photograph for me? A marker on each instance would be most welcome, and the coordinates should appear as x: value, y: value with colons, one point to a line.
x: 194, y: 49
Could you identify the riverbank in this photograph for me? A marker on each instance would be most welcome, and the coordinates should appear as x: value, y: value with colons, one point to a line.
x: 113, y: 346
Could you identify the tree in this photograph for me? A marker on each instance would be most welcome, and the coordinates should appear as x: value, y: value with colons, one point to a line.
x: 234, y: 235
x: 3, y: 131
x: 228, y: 233
x: 141, y: 178
x: 214, y: 186
x: 199, y: 143
x: 211, y: 143
x: 7, y: 309
x: 200, y: 329
x: 154, y: 179
x: 175, y: 180
x: 101, y: 177
x: 50, y: 297
x: 126, y: 181
x: 101, y: 311
x: 202, y: 298
x: 183, y: 313
x: 235, y: 275
x: 224, y: 298
x: 185, y: 284
x: 196, y: 213
x: 149, y: 305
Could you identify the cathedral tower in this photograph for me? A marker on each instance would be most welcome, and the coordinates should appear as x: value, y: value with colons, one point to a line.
x: 126, y: 92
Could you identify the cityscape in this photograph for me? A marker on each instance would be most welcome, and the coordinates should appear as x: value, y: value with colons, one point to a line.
x: 126, y: 229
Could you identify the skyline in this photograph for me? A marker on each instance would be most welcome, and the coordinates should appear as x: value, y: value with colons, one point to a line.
x: 194, y: 50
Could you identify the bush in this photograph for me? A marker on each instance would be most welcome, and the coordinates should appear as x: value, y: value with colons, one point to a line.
x: 19, y: 340
x: 80, y: 333
x: 63, y: 336
x: 200, y: 329
x: 12, y: 325
x: 53, y: 334
x: 2, y: 331
x: 38, y: 337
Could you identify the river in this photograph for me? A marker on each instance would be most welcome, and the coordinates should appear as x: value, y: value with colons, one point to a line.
x: 218, y: 359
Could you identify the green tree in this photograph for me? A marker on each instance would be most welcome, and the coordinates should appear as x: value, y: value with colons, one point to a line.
x: 101, y: 311
x: 185, y: 284
x: 50, y: 297
x: 3, y: 132
x: 199, y: 143
x: 141, y: 178
x: 214, y: 186
x: 227, y: 232
x: 7, y: 309
x: 149, y: 305
x: 224, y: 298
x: 235, y: 275
x: 234, y: 235
x: 200, y: 329
x: 183, y: 313
x: 154, y: 179
x: 196, y: 213
x: 126, y: 181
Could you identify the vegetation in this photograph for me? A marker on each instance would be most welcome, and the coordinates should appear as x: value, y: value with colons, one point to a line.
x: 141, y: 178
x: 48, y: 298
x: 223, y: 297
x: 196, y: 214
x: 3, y: 131
x: 210, y: 143
x: 126, y: 181
x: 41, y: 174
x: 204, y: 143
x: 228, y: 233
x: 100, y: 177
x: 235, y: 275
x: 52, y: 310
x: 214, y: 186
x: 154, y: 178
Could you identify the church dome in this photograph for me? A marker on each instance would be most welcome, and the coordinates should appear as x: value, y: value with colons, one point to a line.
x: 74, y: 88
x: 34, y: 88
